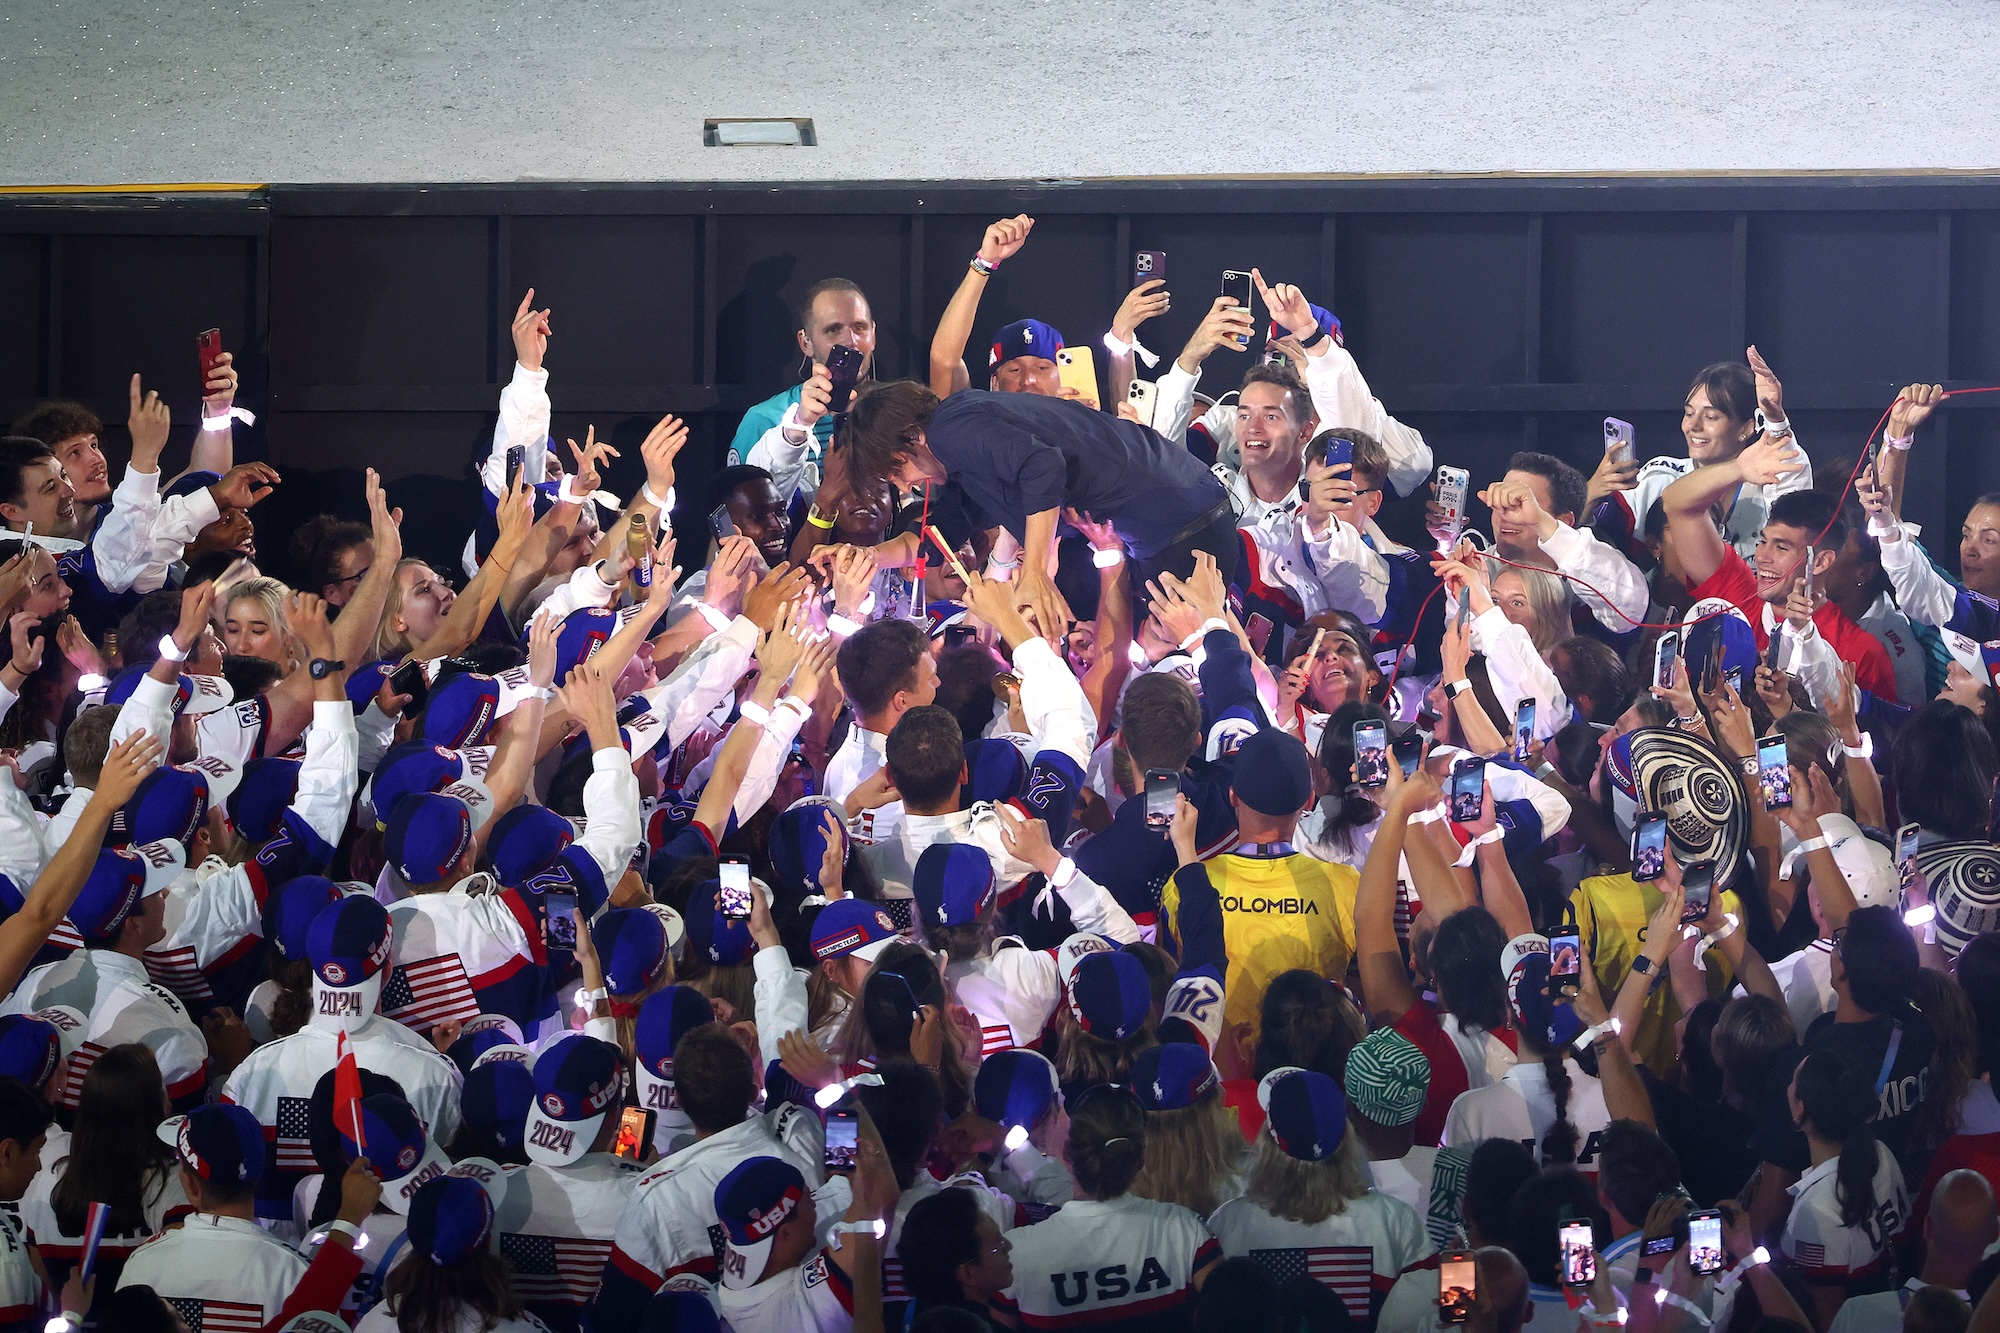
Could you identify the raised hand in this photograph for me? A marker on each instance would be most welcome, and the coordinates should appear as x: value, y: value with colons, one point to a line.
x: 994, y: 602
x: 779, y: 651
x: 1770, y: 393
x: 1179, y: 616
x: 1614, y: 472
x: 543, y: 633
x: 149, y: 421
x: 662, y: 445
x: 1874, y: 497
x: 218, y: 388
x: 853, y: 575
x: 733, y: 572
x: 815, y: 668
x: 1205, y: 587
x: 1004, y: 239
x: 1770, y: 460
x: 305, y: 617
x: 1182, y: 831
x: 1913, y: 407
x: 77, y: 647
x: 833, y: 861
x: 515, y: 516
x: 126, y: 765
x: 586, y: 696
x: 1514, y: 504
x: 1148, y: 299
x: 782, y: 586
x: 196, y: 603
x: 1288, y: 305
x: 27, y: 657
x: 815, y: 396
x: 1775, y: 689
x: 385, y: 523
x: 594, y: 451
x: 1027, y: 840
x: 244, y: 485
x: 1222, y: 326
x: 531, y: 333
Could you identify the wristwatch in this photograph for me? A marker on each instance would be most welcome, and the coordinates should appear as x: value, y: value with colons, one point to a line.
x: 1748, y: 765
x: 319, y: 668
x: 1456, y: 688
x: 1642, y: 965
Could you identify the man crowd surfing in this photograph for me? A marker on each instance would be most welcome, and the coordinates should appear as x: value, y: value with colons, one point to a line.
x: 1035, y: 862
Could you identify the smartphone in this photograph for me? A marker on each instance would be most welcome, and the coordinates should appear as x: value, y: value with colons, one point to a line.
x: 1458, y: 1286
x: 1579, y: 1255
x: 1468, y: 787
x: 957, y: 636
x: 1711, y: 672
x: 1524, y: 730
x: 720, y: 523
x: 1656, y: 1246
x: 1149, y: 266
x: 1565, y: 962
x: 1735, y: 678
x: 208, y: 344
x: 1649, y: 845
x: 1144, y: 396
x: 1705, y: 1240
x: 1698, y: 880
x: 1408, y: 749
x: 843, y: 1141
x: 844, y: 365
x: 1774, y: 772
x: 1340, y: 454
x: 1771, y: 651
x: 409, y: 679
x: 516, y: 457
x: 1618, y: 439
x: 734, y: 895
x: 1464, y: 612
x: 1371, y: 753
x: 1163, y: 788
x: 1236, y: 286
x: 1809, y: 573
x: 559, y: 920
x: 1076, y: 367
x: 1453, y: 483
x: 1664, y: 653
x: 1906, y: 857
x: 635, y: 1133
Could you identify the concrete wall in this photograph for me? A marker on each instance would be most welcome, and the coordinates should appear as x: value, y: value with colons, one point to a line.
x: 128, y: 91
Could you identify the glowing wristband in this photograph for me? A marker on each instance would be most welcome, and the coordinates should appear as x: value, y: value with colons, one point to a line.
x: 63, y: 1322
x: 1117, y: 346
x: 1680, y: 1302
x: 347, y: 1229
x: 1728, y: 1281
x: 832, y: 1093
x: 1108, y: 558
x: 1212, y: 623
x: 1017, y: 1137
x: 874, y: 1229
x: 1588, y: 1037
x: 842, y: 625
x: 752, y: 711
x: 241, y: 414
x: 172, y: 651
x: 91, y: 682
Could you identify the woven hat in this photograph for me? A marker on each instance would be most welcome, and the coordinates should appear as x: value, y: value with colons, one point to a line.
x: 1964, y: 880
x: 1388, y: 1078
x: 1687, y: 781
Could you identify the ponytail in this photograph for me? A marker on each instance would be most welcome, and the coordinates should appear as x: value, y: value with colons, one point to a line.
x: 1854, y: 1177
x: 1838, y: 1101
x: 1560, y: 1143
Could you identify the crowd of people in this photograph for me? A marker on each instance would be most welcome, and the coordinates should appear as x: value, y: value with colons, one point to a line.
x: 1025, y: 864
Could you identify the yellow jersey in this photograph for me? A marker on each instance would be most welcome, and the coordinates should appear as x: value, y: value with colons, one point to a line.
x: 1611, y: 916
x: 1278, y: 913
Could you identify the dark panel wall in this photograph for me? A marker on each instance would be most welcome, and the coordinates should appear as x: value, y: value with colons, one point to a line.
x: 1494, y: 315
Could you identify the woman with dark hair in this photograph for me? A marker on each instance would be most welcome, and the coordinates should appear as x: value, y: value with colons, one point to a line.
x: 329, y: 557
x: 1307, y: 1022
x: 451, y: 1281
x: 1109, y: 1253
x: 113, y: 1157
x: 953, y: 1256
x: 902, y: 1009
x: 1849, y: 1207
x: 1313, y: 686
x: 1339, y: 826
x: 1944, y: 765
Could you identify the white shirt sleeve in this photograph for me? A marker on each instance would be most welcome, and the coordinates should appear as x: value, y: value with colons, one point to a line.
x: 1353, y: 575
x: 760, y: 778
x: 524, y: 420
x: 1093, y: 911
x: 785, y: 461
x: 1518, y: 671
x: 1173, y: 401
x: 123, y: 540
x: 150, y: 709
x: 375, y: 731
x: 610, y: 813
x: 330, y: 774
x: 1812, y: 659
x: 22, y: 854
x: 1341, y: 398
x: 1604, y: 580
x: 1925, y: 595
x: 781, y: 999
x: 709, y: 671
x: 1058, y: 712
x: 583, y: 588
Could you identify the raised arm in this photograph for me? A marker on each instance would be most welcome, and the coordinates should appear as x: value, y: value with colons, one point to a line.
x: 468, y: 614
x: 1385, y: 979
x: 1003, y: 240
x: 356, y: 627
x: 1625, y: 1095
x: 513, y: 766
x: 1913, y: 407
x: 1696, y: 540
x: 1106, y: 675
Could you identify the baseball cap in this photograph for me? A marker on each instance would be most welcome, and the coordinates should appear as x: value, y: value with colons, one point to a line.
x: 1981, y: 659
x: 419, y: 766
x: 170, y: 802
x: 713, y: 936
x: 852, y: 926
x: 1110, y: 996
x: 348, y: 942
x: 996, y: 770
x: 1273, y: 774
x: 1712, y: 620
x: 31, y: 1049
x: 632, y: 943
x: 194, y: 696
x: 1173, y: 1077
x: 451, y: 1219
x: 221, y: 1143
x: 1388, y: 1077
x: 395, y: 1144
x: 267, y: 789
x: 480, y: 1034
x: 797, y: 843
x: 367, y: 682
x: 665, y: 1017
x: 679, y: 1312
x: 315, y: 1321
x: 1024, y: 337
x: 461, y: 711
x: 953, y: 883
x: 526, y: 841
x: 1524, y: 963
x: 1015, y: 1087
x: 1868, y: 867
x: 120, y: 879
x: 577, y: 1084
x: 756, y: 1198
x: 1077, y: 948
x: 288, y: 914
x: 428, y: 834
x: 1194, y: 1006
x: 583, y: 632
x: 495, y: 1100
x: 197, y: 479
x: 1305, y: 1111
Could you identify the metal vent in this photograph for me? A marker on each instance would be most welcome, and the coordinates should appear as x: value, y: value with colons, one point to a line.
x: 755, y: 132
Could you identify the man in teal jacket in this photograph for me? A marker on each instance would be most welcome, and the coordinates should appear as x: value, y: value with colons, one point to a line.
x: 833, y: 313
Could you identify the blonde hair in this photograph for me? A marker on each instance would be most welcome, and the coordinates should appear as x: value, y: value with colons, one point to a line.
x: 1548, y: 598
x: 1087, y: 1059
x: 1194, y: 1155
x: 270, y: 595
x: 1309, y: 1192
x: 391, y: 642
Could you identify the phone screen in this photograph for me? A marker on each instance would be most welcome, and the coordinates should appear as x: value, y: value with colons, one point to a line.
x: 1649, y: 846
x: 635, y: 1133
x: 1774, y: 772
x: 734, y: 895
x: 1712, y: 671
x: 1618, y: 439
x: 1468, y: 785
x: 1705, y: 1241
x: 1698, y: 880
x: 559, y: 920
x: 1579, y: 1255
x: 1664, y: 654
x: 843, y: 365
x: 1656, y: 1246
x: 1771, y: 651
x: 1809, y: 573
x: 1149, y: 266
x: 1409, y: 748
x: 1906, y: 856
x: 1524, y: 729
x: 1236, y: 286
x: 1163, y: 786
x: 1371, y: 754
x: 1735, y: 678
x: 843, y: 1140
x: 1565, y: 960
x: 1458, y: 1285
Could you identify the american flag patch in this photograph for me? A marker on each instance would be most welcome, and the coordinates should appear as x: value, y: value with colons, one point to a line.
x: 65, y: 936
x: 554, y: 1270
x: 424, y: 994
x: 1809, y: 1254
x: 993, y: 1039
x: 901, y: 911
x: 80, y: 1061
x: 1346, y: 1270
x: 892, y: 1281
x: 180, y: 972
x: 218, y: 1316
x: 295, y: 1135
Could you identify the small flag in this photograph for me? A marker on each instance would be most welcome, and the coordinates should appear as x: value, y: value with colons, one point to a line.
x: 93, y: 1232
x: 347, y: 1089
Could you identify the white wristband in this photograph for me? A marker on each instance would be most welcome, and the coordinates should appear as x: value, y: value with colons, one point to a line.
x: 567, y: 493
x: 874, y: 1229
x: 752, y: 711
x: 841, y: 625
x: 1493, y: 834
x: 1775, y: 428
x: 1899, y: 443
x: 1430, y: 816
x: 1108, y: 558
x: 1811, y: 845
x: 1119, y: 347
x: 1865, y: 750
x: 1065, y: 872
x: 1588, y: 1037
x: 90, y: 683
x: 242, y: 414
x: 716, y: 620
x: 653, y: 498
x: 796, y: 705
x: 345, y: 1228
x: 172, y: 651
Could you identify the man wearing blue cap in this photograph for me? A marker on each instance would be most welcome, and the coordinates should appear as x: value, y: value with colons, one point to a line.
x: 775, y: 1276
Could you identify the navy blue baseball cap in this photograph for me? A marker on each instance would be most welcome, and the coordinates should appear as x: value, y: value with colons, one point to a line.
x: 419, y: 766
x: 171, y: 802
x: 222, y: 1143
x: 583, y: 632
x: 480, y: 1034
x: 117, y: 883
x: 1712, y: 620
x: 1110, y: 995
x: 1305, y: 1111
x: 1170, y: 1077
x: 632, y: 943
x: 756, y: 1198
x: 289, y: 913
x: 1273, y: 774
x: 199, y: 479
x: 363, y: 685
x: 1524, y: 964
x: 461, y: 711
x: 348, y: 943
x: 1024, y: 337
x: 797, y: 844
x: 526, y: 841
x: 852, y: 927
x: 679, y: 1312
x: 31, y: 1049
x: 953, y: 883
x: 428, y: 834
x: 715, y: 937
x: 578, y: 1082
x: 996, y: 770
x: 257, y: 806
x: 451, y: 1219
x: 665, y: 1017
x: 395, y: 1143
x: 495, y: 1100
x: 1015, y: 1087
x: 194, y: 696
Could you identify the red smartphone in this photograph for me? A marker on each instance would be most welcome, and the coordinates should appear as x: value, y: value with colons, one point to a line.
x: 209, y: 343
